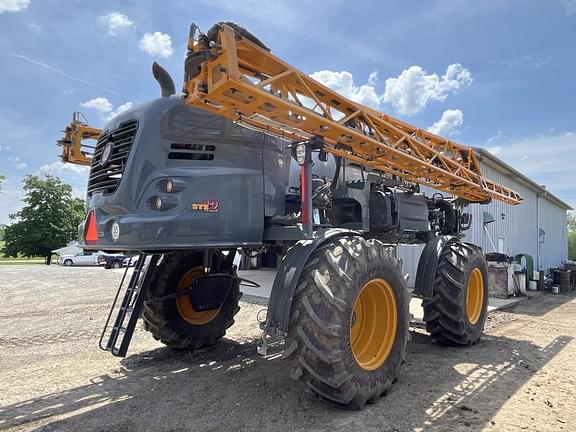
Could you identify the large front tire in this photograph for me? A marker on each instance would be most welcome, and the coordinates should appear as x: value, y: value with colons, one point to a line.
x: 456, y: 313
x: 349, y: 322
x: 174, y: 321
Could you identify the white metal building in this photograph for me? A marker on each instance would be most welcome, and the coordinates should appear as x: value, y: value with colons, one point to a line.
x: 537, y: 227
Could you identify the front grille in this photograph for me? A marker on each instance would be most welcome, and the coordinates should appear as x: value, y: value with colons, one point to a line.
x: 192, y: 151
x: 106, y: 177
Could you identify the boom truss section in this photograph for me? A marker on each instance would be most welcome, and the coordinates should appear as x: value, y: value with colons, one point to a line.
x: 74, y: 148
x: 233, y: 75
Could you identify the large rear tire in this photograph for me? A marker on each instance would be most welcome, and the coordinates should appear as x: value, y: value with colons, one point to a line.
x: 349, y: 322
x: 456, y: 313
x: 174, y: 321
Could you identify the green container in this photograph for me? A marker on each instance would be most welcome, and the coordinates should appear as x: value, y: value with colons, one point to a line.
x: 529, y: 265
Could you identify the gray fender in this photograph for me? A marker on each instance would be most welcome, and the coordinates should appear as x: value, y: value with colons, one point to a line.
x: 288, y: 274
x: 424, y: 284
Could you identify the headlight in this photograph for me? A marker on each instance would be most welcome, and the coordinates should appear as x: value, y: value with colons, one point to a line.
x: 168, y: 185
x: 301, y: 154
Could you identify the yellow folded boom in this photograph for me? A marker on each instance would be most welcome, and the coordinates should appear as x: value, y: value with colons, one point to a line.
x: 74, y: 150
x: 235, y: 76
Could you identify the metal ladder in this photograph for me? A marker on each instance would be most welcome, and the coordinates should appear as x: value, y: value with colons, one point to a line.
x: 130, y: 308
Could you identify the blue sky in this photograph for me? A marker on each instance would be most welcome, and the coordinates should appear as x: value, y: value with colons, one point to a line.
x: 491, y: 73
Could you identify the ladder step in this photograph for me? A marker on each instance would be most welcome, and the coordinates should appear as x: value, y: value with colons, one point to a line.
x: 129, y: 311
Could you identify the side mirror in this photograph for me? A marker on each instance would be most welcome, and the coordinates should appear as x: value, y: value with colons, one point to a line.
x: 465, y: 221
x: 487, y: 218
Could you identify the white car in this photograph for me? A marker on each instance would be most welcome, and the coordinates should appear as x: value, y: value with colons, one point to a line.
x: 80, y: 259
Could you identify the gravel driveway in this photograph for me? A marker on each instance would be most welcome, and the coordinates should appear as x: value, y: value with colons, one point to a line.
x: 521, y: 376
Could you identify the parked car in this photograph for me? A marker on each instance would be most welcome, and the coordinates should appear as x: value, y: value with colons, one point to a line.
x: 79, y: 259
x: 111, y: 260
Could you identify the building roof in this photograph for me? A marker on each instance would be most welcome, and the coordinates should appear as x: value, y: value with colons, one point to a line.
x: 68, y: 250
x: 514, y: 174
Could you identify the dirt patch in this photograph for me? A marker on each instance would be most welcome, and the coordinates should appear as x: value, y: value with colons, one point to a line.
x: 520, y: 376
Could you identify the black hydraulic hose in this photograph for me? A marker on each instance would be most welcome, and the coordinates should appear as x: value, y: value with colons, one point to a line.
x: 336, y: 173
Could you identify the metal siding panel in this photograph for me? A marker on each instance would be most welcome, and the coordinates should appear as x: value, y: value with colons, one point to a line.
x: 410, y: 255
x: 516, y: 224
x: 553, y: 220
x: 519, y: 227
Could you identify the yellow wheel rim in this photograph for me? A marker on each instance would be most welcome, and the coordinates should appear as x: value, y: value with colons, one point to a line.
x: 475, y: 296
x: 373, y: 325
x: 184, y: 305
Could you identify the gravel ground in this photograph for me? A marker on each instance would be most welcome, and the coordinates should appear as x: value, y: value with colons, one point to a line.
x: 53, y: 377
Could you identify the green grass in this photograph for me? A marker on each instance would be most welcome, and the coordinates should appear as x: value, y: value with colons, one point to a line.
x: 20, y: 259
x: 32, y: 261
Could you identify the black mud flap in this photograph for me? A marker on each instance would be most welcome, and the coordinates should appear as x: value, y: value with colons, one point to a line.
x: 424, y: 284
x: 211, y: 291
x: 284, y: 287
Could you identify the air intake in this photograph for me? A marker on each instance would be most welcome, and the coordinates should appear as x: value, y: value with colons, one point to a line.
x: 192, y: 151
x: 110, y: 157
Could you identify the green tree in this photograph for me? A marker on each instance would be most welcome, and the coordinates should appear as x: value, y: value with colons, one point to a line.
x: 572, y: 245
x: 571, y: 236
x: 571, y: 222
x: 48, y: 220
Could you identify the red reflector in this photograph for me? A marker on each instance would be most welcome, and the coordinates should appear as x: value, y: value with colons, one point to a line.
x: 91, y: 232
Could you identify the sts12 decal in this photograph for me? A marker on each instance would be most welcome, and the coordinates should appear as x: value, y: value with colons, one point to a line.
x: 209, y: 206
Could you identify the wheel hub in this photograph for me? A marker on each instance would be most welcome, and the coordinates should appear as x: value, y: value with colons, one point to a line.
x: 475, y: 296
x: 373, y: 324
x: 184, y: 305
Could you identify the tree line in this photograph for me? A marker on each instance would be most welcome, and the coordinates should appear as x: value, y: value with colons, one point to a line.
x: 48, y: 220
x: 571, y: 237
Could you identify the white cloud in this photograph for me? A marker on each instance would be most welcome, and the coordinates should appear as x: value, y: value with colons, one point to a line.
x: 495, y: 150
x: 498, y: 137
x: 51, y: 69
x: 449, y: 122
x: 569, y: 7
x: 372, y: 78
x: 121, y: 108
x: 524, y: 61
x: 17, y: 162
x: 100, y: 104
x: 5, y: 148
x: 13, y: 5
x: 60, y: 169
x: 569, y: 134
x: 547, y: 159
x: 343, y: 83
x: 156, y: 44
x: 105, y: 107
x: 414, y: 88
x: 117, y: 23
x: 62, y: 73
x: 34, y: 27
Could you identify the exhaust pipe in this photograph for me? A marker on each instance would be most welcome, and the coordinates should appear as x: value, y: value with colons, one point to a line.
x: 164, y: 79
